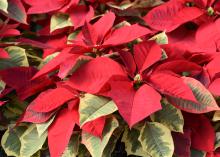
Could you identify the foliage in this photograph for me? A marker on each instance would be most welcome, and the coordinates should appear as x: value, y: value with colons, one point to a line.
x: 108, y: 78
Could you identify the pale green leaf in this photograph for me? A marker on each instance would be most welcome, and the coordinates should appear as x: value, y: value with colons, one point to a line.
x: 96, y: 145
x: 31, y: 142
x: 4, y: 5
x: 42, y: 127
x: 2, y: 86
x: 18, y: 55
x: 169, y: 116
x: 160, y: 38
x: 60, y: 20
x: 216, y: 116
x: 10, y: 141
x: 156, y: 139
x: 73, y: 146
x: 92, y: 107
x: 217, y: 140
x: 132, y: 144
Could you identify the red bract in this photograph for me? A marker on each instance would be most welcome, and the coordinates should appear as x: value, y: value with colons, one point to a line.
x: 89, y: 76
x: 37, y: 7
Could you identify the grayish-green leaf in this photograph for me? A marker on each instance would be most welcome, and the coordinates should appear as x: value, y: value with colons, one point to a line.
x: 18, y: 55
x: 156, y: 139
x: 31, y: 142
x: 42, y: 127
x: 169, y: 116
x: 10, y: 141
x: 132, y: 144
x: 96, y: 145
x: 60, y: 20
x: 92, y: 107
x: 197, y: 153
x: 73, y: 146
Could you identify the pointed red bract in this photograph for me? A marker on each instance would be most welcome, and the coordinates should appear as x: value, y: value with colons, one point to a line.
x: 126, y: 34
x: 60, y: 131
x: 95, y: 127
x: 134, y: 105
x: 171, y: 15
x: 51, y: 99
x: 92, y: 76
x: 202, y: 132
x: 172, y: 86
x: 214, y: 87
x: 146, y: 54
x: 19, y: 78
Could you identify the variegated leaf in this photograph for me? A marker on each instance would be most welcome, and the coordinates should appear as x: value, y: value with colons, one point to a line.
x: 160, y: 38
x: 42, y: 127
x: 10, y: 141
x: 216, y: 116
x: 31, y: 142
x: 132, y: 144
x: 217, y: 140
x: 96, y: 145
x: 4, y: 5
x: 73, y: 146
x: 205, y: 101
x: 169, y: 116
x: 156, y: 139
x: 92, y: 107
x: 17, y: 55
x: 59, y: 21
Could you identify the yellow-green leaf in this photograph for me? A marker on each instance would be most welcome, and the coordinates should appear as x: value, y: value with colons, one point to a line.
x: 132, y: 144
x: 60, y: 20
x: 42, y: 127
x: 216, y: 116
x: 92, y: 107
x: 156, y: 139
x: 169, y: 116
x: 96, y: 145
x: 217, y: 140
x: 10, y: 141
x: 4, y: 5
x: 31, y: 142
x: 18, y: 55
x: 73, y: 146
x: 2, y: 86
x: 160, y: 38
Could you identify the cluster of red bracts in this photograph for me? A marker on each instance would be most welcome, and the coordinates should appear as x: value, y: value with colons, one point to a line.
x: 136, y: 79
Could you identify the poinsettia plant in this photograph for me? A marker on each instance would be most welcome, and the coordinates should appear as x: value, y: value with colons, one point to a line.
x: 105, y: 78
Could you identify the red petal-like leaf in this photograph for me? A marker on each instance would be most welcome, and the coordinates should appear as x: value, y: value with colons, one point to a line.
x: 60, y: 131
x: 51, y: 99
x: 170, y: 15
x: 182, y: 143
x: 95, y: 127
x: 176, y: 67
x: 146, y: 54
x: 103, y: 25
x: 205, y: 100
x: 172, y: 86
x: 213, y: 67
x: 3, y: 54
x: 80, y: 14
x: 202, y: 132
x: 126, y: 34
x: 214, y: 87
x: 92, y: 76
x: 133, y: 105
